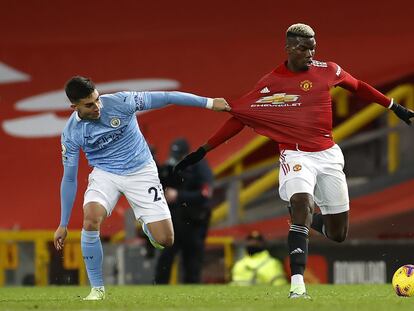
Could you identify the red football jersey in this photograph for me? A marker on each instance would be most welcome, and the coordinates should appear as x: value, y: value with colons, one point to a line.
x: 293, y: 108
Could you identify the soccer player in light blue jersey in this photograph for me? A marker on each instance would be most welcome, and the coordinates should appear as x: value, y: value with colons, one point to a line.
x: 106, y: 129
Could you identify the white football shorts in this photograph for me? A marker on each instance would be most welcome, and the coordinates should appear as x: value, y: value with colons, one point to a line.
x: 142, y: 189
x: 317, y: 173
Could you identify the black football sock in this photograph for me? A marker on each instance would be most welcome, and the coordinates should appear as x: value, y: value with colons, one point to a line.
x: 298, y: 248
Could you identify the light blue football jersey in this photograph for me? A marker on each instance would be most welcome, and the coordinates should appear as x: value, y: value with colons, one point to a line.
x: 114, y: 142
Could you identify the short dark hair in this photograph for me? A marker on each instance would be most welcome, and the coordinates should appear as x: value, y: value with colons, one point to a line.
x: 79, y: 87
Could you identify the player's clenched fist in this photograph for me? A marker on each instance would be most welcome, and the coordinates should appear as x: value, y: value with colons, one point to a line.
x: 220, y: 104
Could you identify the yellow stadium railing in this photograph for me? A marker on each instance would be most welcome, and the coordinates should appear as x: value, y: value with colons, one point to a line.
x: 72, y: 255
x: 41, y: 238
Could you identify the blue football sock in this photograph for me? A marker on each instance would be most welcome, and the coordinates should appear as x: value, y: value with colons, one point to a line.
x: 92, y: 256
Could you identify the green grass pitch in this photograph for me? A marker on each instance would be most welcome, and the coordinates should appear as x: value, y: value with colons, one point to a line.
x: 206, y: 297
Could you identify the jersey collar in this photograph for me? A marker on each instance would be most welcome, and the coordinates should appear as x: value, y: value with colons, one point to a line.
x: 282, y: 69
x: 77, y: 117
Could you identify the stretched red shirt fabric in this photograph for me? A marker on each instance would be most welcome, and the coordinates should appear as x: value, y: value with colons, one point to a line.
x: 294, y: 108
x: 230, y: 128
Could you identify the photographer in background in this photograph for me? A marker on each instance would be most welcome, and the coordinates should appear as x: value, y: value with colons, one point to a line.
x: 188, y: 198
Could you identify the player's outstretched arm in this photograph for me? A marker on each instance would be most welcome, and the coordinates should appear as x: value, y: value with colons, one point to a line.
x: 229, y: 129
x: 154, y: 100
x: 365, y: 91
x: 191, y: 159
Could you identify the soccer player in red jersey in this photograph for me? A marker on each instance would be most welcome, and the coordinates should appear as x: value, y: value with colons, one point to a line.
x: 292, y: 105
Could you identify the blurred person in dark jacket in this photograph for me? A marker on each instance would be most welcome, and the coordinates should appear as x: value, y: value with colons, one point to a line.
x: 188, y: 198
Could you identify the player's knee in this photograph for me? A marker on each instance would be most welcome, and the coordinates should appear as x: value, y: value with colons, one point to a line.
x: 93, y: 216
x: 301, y: 203
x: 301, y: 208
x: 338, y: 236
x: 91, y: 223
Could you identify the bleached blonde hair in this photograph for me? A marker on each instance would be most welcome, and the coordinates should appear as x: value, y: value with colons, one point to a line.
x: 300, y: 30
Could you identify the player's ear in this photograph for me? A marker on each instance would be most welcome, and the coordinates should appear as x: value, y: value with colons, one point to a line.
x: 74, y: 107
x: 288, y: 48
x: 290, y: 44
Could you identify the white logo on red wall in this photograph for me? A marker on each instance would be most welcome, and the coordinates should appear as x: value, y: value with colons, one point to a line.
x: 46, y: 123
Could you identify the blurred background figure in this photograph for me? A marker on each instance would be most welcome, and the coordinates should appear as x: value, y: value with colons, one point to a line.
x: 188, y: 197
x: 258, y: 266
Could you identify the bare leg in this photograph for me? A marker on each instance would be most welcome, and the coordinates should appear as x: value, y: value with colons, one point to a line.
x: 162, y: 231
x: 336, y: 226
x: 93, y: 215
x: 333, y: 226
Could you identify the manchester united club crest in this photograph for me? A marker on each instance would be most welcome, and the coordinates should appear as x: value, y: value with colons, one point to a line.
x: 297, y: 167
x: 306, y: 85
x: 115, y: 122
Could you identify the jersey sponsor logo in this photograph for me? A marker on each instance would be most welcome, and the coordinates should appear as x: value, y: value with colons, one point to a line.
x: 115, y: 122
x: 277, y: 100
x: 305, y: 85
x: 265, y: 90
x: 319, y: 64
x: 338, y: 71
x: 297, y: 167
x: 112, y: 137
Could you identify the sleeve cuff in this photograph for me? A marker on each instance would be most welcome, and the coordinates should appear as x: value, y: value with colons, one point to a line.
x: 209, y: 104
x: 392, y: 102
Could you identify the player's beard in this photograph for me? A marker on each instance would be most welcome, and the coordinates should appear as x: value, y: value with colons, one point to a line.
x: 90, y: 116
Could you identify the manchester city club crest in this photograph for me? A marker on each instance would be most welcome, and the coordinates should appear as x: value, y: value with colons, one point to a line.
x: 115, y: 122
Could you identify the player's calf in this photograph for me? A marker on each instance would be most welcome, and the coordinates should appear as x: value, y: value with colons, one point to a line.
x: 160, y: 233
x: 339, y: 235
x: 336, y: 232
